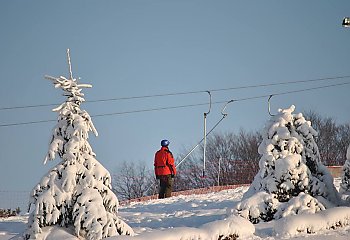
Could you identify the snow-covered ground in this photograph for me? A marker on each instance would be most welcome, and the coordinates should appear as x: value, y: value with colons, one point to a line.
x: 200, y: 215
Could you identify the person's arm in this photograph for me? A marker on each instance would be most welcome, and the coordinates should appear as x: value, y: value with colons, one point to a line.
x: 171, y: 164
x: 155, y: 167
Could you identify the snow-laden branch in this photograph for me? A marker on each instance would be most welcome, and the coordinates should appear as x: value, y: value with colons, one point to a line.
x: 291, y: 172
x: 76, y: 192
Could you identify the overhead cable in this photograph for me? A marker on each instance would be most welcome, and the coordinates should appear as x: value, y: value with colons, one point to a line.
x: 188, y: 105
x: 184, y: 93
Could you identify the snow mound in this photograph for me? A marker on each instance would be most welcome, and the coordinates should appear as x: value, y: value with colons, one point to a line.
x: 313, y: 223
x: 204, y: 219
x: 231, y: 228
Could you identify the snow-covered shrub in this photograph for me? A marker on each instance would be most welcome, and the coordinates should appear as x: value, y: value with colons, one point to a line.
x: 261, y: 206
x: 265, y: 207
x: 76, y: 192
x: 345, y: 180
x: 301, y: 204
x: 233, y: 227
x: 290, y: 167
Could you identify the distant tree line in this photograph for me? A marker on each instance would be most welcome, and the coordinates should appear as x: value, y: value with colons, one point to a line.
x: 231, y: 158
x: 9, y: 212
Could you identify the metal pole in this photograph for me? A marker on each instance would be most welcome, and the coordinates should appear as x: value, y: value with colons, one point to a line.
x: 224, y: 115
x: 219, y: 171
x: 188, y: 154
x: 205, y: 142
x: 205, y: 134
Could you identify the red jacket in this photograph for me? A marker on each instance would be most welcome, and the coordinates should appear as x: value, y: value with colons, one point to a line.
x: 164, y: 163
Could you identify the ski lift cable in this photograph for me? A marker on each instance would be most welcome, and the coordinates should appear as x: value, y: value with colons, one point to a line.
x: 180, y: 93
x: 293, y: 91
x: 194, y: 148
x: 189, y: 153
x: 116, y: 113
x: 185, y: 106
x: 224, y: 115
x: 27, y: 123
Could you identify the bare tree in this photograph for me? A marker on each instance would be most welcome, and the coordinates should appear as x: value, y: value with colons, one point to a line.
x: 231, y: 159
x: 246, y: 150
x: 189, y: 174
x: 344, y: 142
x: 220, y: 152
x: 133, y: 181
x: 332, y: 139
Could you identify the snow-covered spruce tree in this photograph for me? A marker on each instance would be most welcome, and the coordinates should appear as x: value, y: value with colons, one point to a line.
x: 76, y: 193
x: 291, y: 178
x: 345, y: 180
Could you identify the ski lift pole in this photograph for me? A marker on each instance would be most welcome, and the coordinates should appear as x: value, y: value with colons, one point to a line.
x: 219, y: 171
x: 224, y: 115
x: 205, y: 132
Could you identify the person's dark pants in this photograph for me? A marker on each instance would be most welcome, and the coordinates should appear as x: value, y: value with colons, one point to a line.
x: 166, y: 186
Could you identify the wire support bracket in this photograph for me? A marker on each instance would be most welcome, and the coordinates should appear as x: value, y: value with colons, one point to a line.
x: 269, y: 105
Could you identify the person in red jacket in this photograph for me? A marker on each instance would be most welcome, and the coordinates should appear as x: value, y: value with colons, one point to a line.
x: 165, y: 170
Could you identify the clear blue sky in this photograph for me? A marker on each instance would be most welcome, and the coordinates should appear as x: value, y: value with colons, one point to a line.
x: 133, y: 48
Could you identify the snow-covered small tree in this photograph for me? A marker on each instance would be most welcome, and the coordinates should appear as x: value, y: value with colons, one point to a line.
x: 290, y: 172
x: 77, y: 192
x: 345, y: 180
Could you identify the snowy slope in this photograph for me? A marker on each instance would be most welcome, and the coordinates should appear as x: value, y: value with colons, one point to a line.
x: 189, y: 217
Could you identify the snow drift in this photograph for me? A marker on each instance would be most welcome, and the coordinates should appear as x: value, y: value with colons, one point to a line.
x: 312, y: 223
x: 232, y: 227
